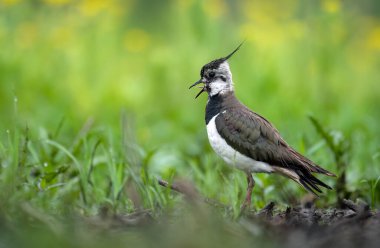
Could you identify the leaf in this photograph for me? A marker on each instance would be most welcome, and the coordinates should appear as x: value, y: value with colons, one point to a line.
x: 325, y: 135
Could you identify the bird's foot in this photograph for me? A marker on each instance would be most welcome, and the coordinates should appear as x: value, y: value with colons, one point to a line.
x: 246, y: 204
x: 248, y: 198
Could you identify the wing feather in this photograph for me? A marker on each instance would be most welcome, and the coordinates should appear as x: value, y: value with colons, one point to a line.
x: 254, y: 136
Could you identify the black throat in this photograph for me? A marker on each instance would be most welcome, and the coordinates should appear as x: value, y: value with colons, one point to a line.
x: 218, y: 103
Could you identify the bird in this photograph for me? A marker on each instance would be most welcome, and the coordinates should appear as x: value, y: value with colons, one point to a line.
x: 246, y: 140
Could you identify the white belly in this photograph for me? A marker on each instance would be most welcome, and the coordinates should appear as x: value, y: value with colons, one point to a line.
x: 231, y: 156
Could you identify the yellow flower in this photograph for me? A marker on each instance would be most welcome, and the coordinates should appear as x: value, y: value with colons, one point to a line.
x: 9, y: 2
x: 184, y: 4
x: 268, y: 11
x: 136, y: 40
x: 331, y: 6
x: 373, y: 39
x: 57, y: 2
x: 94, y: 7
x: 61, y: 35
x: 214, y: 8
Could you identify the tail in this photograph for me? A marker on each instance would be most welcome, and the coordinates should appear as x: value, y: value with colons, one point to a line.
x: 300, y: 169
x: 310, y: 182
x: 309, y: 165
x: 304, y: 178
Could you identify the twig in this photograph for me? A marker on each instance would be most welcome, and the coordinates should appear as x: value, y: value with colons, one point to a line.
x: 190, y: 193
x: 351, y: 205
x: 170, y: 186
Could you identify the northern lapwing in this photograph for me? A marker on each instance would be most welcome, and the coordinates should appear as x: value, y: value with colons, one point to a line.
x: 245, y: 139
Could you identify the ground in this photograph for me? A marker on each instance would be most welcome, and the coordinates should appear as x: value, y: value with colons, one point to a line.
x: 198, y: 222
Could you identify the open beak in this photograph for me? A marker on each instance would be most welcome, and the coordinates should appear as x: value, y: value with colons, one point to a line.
x: 203, y: 88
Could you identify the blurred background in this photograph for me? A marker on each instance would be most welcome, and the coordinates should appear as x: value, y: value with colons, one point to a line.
x: 65, y: 64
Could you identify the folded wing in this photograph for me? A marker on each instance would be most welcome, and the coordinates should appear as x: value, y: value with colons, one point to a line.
x: 253, y: 136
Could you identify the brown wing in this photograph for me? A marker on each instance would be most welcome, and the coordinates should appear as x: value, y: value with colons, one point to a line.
x: 253, y: 136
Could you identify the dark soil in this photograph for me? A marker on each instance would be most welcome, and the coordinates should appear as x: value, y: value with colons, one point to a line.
x: 354, y: 226
x: 199, y: 222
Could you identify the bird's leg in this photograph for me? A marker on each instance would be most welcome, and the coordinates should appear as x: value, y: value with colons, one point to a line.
x: 251, y: 184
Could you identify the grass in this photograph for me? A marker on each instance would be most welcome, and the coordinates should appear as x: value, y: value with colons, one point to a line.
x: 95, y: 108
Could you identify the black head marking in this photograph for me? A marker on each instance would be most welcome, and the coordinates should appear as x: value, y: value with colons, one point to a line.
x: 216, y: 63
x: 213, y: 65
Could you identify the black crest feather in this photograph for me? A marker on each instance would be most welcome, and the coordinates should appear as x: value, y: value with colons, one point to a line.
x: 215, y: 63
x: 233, y: 52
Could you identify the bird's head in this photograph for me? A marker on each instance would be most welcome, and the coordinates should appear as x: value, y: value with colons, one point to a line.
x: 216, y: 76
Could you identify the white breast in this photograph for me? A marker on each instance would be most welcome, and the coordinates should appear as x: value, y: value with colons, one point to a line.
x: 231, y: 156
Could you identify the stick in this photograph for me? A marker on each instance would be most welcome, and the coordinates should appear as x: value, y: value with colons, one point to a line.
x: 170, y: 186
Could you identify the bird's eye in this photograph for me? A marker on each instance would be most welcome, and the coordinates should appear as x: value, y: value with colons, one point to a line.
x: 211, y: 74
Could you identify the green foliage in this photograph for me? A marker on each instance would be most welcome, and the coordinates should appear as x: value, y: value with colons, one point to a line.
x: 95, y: 106
x: 340, y: 148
